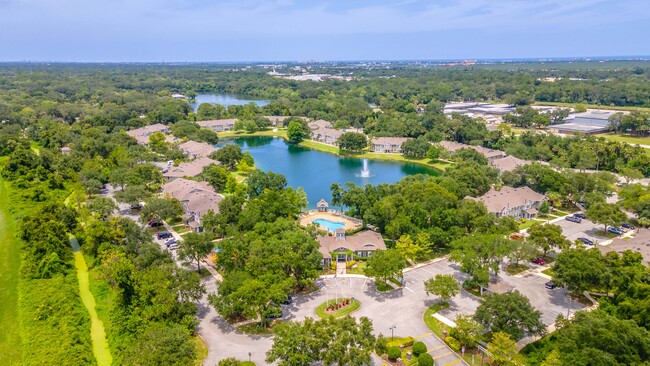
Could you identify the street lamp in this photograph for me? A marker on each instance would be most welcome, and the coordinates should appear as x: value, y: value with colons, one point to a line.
x: 249, y: 357
x: 392, y: 335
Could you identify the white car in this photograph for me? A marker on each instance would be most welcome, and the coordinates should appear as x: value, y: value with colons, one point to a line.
x: 173, y: 246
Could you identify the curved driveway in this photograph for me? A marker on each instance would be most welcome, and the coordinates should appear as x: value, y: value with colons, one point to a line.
x: 402, y: 308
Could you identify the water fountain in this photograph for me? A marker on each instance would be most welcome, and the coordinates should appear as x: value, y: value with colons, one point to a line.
x: 365, y: 172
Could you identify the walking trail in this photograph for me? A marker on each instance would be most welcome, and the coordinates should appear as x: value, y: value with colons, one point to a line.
x: 97, y: 334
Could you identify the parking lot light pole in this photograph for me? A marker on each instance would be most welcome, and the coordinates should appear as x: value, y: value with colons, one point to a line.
x: 392, y: 335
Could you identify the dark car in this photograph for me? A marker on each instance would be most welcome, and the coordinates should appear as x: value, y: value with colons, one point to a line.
x: 163, y: 235
x: 580, y: 216
x: 573, y: 219
x: 615, y: 230
x: 538, y: 260
x: 586, y: 241
x: 550, y: 285
x: 155, y: 224
x: 625, y: 225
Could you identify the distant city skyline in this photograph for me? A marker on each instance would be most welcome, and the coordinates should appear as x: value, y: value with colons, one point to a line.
x: 286, y: 30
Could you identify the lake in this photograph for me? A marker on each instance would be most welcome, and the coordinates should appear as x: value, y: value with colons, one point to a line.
x: 315, y: 171
x: 224, y: 100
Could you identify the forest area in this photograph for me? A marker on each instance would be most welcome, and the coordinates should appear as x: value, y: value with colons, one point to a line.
x: 147, y: 302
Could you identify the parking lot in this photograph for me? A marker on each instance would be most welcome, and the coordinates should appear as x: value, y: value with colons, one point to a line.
x: 585, y: 229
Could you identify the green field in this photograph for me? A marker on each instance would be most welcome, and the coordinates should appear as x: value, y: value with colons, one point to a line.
x: 10, y: 344
x: 630, y: 139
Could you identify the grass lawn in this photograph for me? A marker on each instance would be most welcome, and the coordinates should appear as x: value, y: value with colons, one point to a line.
x: 256, y: 328
x: 269, y: 132
x: 10, y: 343
x: 528, y: 224
x: 548, y: 272
x: 383, y: 287
x: 354, y: 306
x: 630, y: 139
x: 513, y: 269
x: 181, y: 229
x: 605, y: 234
x: 97, y: 334
x: 358, y: 268
x: 201, y: 350
x: 435, y: 325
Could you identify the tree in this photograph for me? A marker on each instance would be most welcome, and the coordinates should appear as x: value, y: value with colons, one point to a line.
x: 195, y: 247
x: 579, y: 269
x: 467, y: 330
x: 218, y: 177
x: 416, y: 148
x: 162, y: 345
x: 425, y: 359
x: 295, y: 132
x: 544, y: 208
x: 511, y: 313
x: 228, y: 156
x: 352, y: 141
x: 443, y: 285
x: 385, y: 264
x: 434, y: 152
x: 331, y: 341
x: 337, y: 195
x: 260, y: 181
x: 159, y: 209
x: 630, y: 174
x: 478, y: 254
x: 522, y: 250
x: 410, y: 249
x: 607, y: 214
x: 132, y: 194
x: 102, y: 206
x: 547, y: 237
x: 504, y: 350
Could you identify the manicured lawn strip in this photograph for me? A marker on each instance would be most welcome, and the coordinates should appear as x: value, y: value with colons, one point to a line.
x: 606, y: 234
x: 630, y: 139
x: 548, y: 272
x: 440, y: 165
x: 354, y: 306
x: 256, y: 328
x: 201, y: 350
x: 527, y: 224
x: 105, y: 299
x: 181, y: 229
x: 97, y: 334
x: 10, y: 345
x: 513, y: 269
x: 436, y: 326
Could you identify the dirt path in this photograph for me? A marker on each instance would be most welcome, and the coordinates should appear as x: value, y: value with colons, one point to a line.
x: 97, y: 334
x: 10, y: 345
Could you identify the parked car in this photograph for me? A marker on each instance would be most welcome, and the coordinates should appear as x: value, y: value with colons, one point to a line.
x: 155, y: 224
x: 550, y: 285
x: 625, y: 225
x: 137, y: 206
x: 171, y: 241
x: 586, y: 241
x: 163, y: 235
x: 615, y: 230
x: 517, y: 236
x: 573, y: 219
x: 173, y: 246
x: 538, y: 260
x: 580, y: 216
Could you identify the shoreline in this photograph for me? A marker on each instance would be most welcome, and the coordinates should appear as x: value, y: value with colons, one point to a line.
x: 329, y: 149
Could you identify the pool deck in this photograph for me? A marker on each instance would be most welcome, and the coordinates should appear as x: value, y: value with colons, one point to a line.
x: 309, y: 217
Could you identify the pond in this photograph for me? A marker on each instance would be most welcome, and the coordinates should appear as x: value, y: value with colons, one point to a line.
x: 224, y: 99
x: 315, y: 171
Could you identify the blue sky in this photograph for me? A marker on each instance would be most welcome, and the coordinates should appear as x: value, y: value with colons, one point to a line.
x: 294, y: 30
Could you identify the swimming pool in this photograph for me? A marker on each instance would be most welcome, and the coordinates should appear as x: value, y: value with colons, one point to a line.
x: 329, y: 225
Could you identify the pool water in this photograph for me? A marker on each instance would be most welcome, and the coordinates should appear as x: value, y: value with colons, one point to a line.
x: 329, y: 225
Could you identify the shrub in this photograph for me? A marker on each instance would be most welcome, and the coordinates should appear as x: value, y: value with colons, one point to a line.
x: 408, y: 341
x: 394, y: 353
x: 231, y: 361
x: 419, y: 348
x: 381, y: 346
x: 350, y: 264
x: 425, y: 359
x: 453, y: 343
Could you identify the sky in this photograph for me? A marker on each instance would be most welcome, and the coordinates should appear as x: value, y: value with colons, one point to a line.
x: 302, y: 30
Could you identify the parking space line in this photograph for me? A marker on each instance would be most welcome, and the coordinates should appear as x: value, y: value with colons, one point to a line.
x: 442, y: 355
x: 408, y: 289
